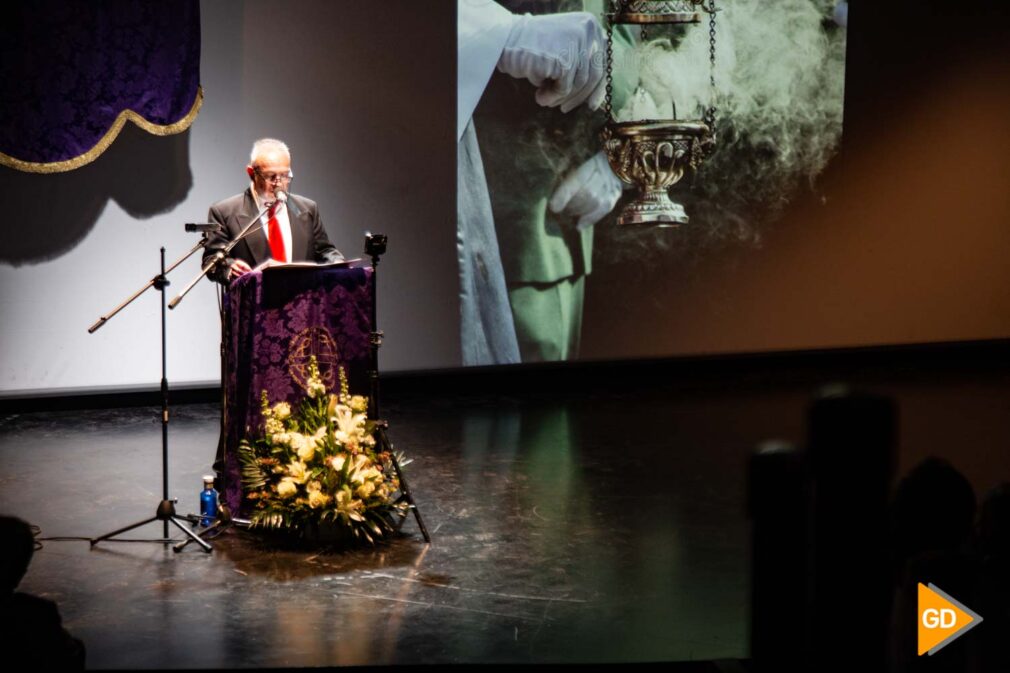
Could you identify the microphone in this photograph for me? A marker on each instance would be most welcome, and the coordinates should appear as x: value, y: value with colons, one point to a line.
x: 190, y: 226
x: 282, y: 196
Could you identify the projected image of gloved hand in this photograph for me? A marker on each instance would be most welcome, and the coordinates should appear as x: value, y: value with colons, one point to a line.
x: 589, y: 192
x: 563, y: 55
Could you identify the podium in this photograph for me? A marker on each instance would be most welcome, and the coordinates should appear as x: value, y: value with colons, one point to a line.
x: 274, y: 320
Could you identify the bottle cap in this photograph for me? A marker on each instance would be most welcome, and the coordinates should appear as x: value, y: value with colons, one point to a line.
x: 208, y: 479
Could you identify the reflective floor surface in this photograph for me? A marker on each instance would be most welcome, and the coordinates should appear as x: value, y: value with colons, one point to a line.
x: 603, y: 525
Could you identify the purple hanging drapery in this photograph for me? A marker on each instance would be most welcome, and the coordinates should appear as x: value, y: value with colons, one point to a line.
x: 275, y: 320
x: 73, y: 73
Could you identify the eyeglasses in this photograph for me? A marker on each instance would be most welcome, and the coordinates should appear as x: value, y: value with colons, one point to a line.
x: 275, y: 177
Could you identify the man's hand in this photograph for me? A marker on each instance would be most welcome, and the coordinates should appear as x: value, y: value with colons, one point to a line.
x: 564, y: 55
x: 237, y: 268
x: 589, y: 192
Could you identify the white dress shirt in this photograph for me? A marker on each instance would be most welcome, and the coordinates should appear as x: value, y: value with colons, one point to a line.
x: 282, y: 220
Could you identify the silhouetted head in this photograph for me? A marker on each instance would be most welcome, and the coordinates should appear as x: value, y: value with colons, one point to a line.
x: 17, y: 544
x: 933, y: 509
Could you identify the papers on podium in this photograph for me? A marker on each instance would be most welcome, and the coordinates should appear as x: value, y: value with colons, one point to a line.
x: 274, y: 264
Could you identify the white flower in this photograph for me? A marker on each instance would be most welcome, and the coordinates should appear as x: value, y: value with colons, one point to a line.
x: 347, y: 504
x: 286, y: 488
x: 318, y: 499
x: 337, y: 462
x: 359, y: 473
x: 296, y: 440
x: 304, y: 446
x: 282, y: 410
x: 296, y: 472
x: 365, y: 490
x: 350, y: 425
x: 316, y: 496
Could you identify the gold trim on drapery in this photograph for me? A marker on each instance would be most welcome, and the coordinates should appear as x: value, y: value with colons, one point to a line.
x: 107, y: 139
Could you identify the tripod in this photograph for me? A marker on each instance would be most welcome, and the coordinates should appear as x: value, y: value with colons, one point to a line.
x: 375, y: 246
x: 165, y: 511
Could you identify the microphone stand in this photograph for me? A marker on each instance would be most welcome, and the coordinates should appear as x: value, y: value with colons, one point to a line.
x: 166, y: 508
x: 218, y: 256
x: 165, y: 511
x: 155, y: 281
x: 224, y: 517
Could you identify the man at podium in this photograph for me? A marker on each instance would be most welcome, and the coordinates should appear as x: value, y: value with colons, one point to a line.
x: 290, y: 229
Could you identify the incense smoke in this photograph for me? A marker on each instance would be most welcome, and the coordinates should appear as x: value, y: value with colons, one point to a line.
x: 779, y: 79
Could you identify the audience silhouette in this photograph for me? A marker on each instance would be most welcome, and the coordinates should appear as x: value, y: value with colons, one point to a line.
x: 821, y: 565
x: 32, y: 636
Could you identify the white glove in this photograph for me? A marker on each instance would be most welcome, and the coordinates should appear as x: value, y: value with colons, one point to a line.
x: 564, y: 55
x: 589, y: 192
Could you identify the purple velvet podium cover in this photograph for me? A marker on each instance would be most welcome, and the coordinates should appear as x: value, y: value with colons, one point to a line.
x: 274, y: 321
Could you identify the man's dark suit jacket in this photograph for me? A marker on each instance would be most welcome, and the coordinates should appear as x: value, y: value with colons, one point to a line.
x: 309, y: 242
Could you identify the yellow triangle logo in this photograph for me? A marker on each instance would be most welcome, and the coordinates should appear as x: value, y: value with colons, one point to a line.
x: 942, y: 619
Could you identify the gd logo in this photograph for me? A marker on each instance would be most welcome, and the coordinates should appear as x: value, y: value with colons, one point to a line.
x: 942, y: 619
x: 313, y: 341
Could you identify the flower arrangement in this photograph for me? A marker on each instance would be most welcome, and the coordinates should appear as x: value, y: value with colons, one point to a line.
x: 318, y: 464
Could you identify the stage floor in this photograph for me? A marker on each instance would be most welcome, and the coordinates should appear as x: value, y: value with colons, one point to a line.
x: 604, y: 525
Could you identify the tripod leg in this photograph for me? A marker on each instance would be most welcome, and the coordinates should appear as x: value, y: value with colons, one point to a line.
x: 123, y: 530
x: 403, y: 483
x: 192, y: 536
x: 218, y: 524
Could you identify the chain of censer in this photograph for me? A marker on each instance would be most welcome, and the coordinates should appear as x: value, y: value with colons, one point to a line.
x: 709, y: 115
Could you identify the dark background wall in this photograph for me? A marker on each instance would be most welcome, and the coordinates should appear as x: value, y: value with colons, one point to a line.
x: 908, y: 245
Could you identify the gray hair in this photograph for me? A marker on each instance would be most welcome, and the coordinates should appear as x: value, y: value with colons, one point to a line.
x: 264, y: 145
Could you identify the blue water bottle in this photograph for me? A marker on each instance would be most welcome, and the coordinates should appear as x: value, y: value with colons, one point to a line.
x: 208, y: 501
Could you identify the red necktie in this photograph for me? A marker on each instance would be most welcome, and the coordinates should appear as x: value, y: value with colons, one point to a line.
x: 275, y: 238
